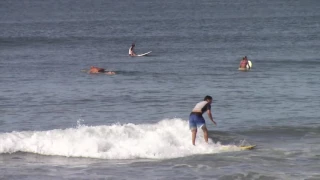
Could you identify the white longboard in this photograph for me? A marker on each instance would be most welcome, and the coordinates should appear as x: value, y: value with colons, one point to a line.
x: 144, y: 54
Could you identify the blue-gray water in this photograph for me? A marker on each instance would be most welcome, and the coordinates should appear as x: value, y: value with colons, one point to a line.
x: 58, y: 122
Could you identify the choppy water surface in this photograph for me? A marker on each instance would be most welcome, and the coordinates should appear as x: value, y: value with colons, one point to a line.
x: 58, y: 122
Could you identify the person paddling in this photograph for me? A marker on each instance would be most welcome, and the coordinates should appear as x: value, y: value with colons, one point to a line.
x: 96, y: 70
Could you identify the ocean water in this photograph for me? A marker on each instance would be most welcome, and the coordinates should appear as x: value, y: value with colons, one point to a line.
x: 58, y: 122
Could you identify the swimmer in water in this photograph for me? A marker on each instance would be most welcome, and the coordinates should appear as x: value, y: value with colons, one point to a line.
x: 96, y: 70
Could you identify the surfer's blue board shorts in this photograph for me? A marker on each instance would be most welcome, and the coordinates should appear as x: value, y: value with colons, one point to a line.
x: 196, y: 121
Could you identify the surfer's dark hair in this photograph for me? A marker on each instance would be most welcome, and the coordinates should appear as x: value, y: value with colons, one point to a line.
x: 207, y: 98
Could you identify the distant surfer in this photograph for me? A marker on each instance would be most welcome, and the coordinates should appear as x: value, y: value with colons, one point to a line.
x: 244, y: 63
x: 96, y: 70
x: 131, y: 50
x: 196, y: 119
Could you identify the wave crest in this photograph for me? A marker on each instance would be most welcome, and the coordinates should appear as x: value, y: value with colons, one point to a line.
x: 169, y: 138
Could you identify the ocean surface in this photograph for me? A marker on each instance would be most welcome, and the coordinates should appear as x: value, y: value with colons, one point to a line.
x: 59, y: 122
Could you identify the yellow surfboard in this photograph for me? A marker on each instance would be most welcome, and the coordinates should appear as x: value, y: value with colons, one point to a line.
x: 247, y: 147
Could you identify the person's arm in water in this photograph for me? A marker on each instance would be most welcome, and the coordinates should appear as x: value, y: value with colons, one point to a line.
x: 210, y: 116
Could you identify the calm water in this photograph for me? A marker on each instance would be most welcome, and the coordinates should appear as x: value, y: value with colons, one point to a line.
x: 58, y: 122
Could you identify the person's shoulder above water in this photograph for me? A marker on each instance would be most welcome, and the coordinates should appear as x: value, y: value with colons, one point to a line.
x: 96, y: 70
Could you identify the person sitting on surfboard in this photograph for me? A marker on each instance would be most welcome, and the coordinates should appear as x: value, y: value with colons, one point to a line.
x: 95, y: 70
x: 244, y: 62
x: 131, y: 51
x: 196, y: 119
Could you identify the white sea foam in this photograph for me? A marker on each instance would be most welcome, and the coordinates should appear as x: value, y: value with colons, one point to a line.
x: 169, y: 138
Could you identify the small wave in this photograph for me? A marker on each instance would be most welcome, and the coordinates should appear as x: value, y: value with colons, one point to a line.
x: 169, y: 138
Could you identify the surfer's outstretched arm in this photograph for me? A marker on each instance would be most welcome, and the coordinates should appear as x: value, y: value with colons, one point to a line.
x: 210, y: 116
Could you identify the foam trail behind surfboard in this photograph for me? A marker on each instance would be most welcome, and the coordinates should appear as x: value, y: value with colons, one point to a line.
x: 168, y: 138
